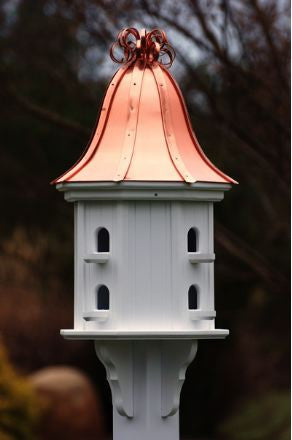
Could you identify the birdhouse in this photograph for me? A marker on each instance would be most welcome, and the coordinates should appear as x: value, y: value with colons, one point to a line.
x: 144, y: 248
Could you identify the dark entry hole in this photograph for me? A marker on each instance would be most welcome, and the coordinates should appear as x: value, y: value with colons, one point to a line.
x: 102, y: 298
x: 103, y: 240
x: 193, y: 298
x: 192, y: 240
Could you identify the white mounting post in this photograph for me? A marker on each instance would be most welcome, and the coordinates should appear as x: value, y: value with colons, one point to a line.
x: 146, y: 378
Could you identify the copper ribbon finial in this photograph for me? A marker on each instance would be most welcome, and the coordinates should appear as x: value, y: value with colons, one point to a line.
x: 149, y: 47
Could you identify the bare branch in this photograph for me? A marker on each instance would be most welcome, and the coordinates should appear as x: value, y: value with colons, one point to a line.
x: 50, y: 116
x: 266, y: 27
x: 176, y: 25
x: 252, y: 258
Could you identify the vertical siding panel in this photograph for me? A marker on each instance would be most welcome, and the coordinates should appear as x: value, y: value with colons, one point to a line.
x: 132, y: 261
x: 96, y: 216
x: 211, y: 265
x: 80, y: 269
x: 177, y: 266
x: 200, y: 216
x: 168, y: 266
x: 93, y: 214
x: 123, y: 293
x: 143, y: 267
x: 159, y: 259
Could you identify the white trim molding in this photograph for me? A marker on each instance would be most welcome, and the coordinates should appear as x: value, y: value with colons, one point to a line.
x: 213, y: 192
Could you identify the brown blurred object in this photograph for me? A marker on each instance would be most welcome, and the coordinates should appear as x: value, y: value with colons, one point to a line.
x: 71, y: 407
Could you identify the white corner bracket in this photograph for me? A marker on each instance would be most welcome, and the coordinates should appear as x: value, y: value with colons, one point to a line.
x: 117, y: 358
x: 146, y: 378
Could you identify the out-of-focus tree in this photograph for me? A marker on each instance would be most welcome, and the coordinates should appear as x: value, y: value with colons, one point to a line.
x: 265, y: 418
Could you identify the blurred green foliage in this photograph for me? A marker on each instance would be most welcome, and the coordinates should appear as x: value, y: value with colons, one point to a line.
x: 263, y: 418
x: 19, y: 405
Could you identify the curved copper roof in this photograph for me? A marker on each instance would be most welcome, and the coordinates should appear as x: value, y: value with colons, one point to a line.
x: 143, y: 132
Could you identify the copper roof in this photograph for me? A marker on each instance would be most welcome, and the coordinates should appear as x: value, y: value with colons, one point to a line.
x: 143, y: 132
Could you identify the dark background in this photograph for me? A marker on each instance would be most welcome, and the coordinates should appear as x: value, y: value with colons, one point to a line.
x: 232, y: 65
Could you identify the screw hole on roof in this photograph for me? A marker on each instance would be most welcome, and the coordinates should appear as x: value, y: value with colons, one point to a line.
x: 155, y: 194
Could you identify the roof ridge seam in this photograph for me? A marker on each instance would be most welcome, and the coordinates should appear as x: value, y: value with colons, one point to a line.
x: 132, y: 122
x: 168, y: 127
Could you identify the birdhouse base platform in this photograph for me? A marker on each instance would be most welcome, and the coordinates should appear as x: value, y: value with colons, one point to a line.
x: 146, y: 335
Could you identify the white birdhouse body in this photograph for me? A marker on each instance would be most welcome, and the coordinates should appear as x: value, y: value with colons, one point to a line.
x: 144, y: 259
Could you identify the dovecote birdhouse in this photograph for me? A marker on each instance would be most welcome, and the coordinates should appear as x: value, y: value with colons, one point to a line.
x: 144, y: 249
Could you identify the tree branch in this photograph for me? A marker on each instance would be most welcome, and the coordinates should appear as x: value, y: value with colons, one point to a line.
x: 266, y: 28
x: 50, y: 116
x: 253, y: 259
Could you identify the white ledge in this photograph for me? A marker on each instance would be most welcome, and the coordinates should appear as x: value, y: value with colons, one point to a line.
x: 97, y: 257
x: 144, y: 335
x: 199, y: 257
x: 207, y: 186
x: 96, y: 315
x: 196, y: 315
x: 74, y: 191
